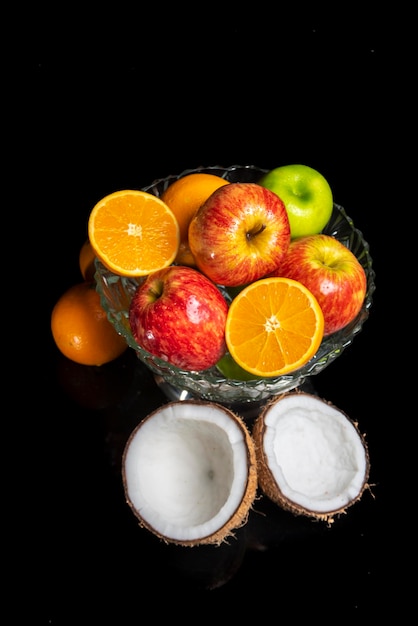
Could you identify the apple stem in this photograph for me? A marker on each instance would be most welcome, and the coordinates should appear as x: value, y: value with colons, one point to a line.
x: 253, y: 233
x: 157, y: 290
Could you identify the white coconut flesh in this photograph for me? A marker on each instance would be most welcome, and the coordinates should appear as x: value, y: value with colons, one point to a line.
x: 315, y: 455
x: 186, y: 472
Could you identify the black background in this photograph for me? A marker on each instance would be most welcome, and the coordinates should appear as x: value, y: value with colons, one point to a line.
x: 115, y: 100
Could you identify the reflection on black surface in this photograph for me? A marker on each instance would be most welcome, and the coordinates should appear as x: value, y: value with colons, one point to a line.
x: 114, y: 398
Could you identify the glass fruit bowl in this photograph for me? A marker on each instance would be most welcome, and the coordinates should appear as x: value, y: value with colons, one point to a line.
x: 116, y: 293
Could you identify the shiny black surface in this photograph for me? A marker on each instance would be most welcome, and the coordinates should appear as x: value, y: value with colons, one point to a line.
x: 231, y: 91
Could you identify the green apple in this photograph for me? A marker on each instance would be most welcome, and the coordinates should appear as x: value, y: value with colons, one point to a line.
x: 230, y: 369
x: 306, y: 194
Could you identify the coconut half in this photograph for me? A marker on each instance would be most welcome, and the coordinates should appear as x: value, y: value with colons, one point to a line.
x: 311, y: 458
x: 189, y: 472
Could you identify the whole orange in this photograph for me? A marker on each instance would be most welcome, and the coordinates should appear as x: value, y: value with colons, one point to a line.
x: 184, y: 196
x: 81, y: 329
x: 86, y: 260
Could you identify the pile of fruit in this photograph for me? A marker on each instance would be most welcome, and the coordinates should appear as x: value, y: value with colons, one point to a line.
x: 239, y: 276
x: 288, y: 284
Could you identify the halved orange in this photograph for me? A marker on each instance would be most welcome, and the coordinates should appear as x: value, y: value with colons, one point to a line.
x: 274, y: 326
x: 133, y: 232
x: 184, y: 196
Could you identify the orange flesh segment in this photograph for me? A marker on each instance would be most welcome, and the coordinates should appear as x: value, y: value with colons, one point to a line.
x: 274, y: 327
x: 133, y: 233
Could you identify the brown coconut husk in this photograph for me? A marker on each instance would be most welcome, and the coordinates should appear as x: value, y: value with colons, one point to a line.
x: 267, y: 481
x: 239, y: 516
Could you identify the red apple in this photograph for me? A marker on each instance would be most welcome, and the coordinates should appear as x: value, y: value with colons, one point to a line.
x: 239, y: 234
x: 179, y: 315
x: 331, y: 272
